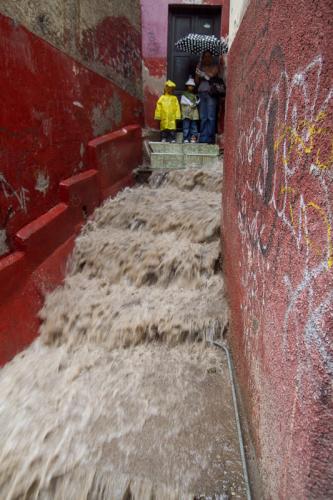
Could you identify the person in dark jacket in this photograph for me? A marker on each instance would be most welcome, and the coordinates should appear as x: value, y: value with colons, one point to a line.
x: 205, y: 71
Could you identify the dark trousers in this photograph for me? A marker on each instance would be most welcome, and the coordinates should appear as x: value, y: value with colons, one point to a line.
x: 190, y: 129
x: 208, y: 113
x: 168, y: 135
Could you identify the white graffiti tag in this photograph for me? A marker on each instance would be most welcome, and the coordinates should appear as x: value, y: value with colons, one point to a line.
x: 287, y: 154
x: 21, y: 195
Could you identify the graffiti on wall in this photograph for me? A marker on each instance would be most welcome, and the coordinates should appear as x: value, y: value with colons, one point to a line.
x: 18, y: 201
x: 285, y: 219
x: 19, y: 197
x: 284, y: 143
x: 116, y: 46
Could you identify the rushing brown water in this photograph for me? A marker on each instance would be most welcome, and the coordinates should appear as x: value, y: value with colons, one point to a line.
x: 121, y: 396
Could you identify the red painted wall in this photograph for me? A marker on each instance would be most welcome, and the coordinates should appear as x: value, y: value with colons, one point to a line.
x: 113, y: 48
x: 154, y: 48
x: 55, y: 168
x: 104, y: 35
x: 277, y: 236
x: 39, y: 263
x: 51, y: 106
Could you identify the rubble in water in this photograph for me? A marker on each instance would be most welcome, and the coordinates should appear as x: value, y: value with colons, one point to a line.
x: 121, y: 397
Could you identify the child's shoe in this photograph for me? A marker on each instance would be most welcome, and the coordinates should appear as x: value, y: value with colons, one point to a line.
x: 163, y: 140
x: 186, y: 141
x: 173, y: 141
x: 193, y: 139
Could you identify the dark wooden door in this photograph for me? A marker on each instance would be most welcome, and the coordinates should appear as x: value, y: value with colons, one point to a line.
x: 182, y: 21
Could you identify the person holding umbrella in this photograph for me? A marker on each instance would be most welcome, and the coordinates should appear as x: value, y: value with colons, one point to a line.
x: 208, y: 78
x: 205, y: 73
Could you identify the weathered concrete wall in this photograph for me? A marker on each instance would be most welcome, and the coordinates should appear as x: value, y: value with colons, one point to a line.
x: 104, y: 35
x: 237, y: 11
x: 277, y: 234
x: 154, y: 49
x: 51, y: 106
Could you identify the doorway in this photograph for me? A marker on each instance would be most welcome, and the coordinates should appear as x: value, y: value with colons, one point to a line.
x: 182, y: 21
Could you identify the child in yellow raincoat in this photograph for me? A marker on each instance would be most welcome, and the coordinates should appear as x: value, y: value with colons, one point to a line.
x: 167, y: 112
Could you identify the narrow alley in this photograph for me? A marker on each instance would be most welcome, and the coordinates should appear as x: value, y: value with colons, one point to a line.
x: 166, y: 249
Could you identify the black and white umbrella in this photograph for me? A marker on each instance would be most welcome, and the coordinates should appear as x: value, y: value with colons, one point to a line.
x: 196, y: 44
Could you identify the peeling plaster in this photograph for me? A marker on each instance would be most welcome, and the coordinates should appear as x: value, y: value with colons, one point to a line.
x: 3, y: 242
x: 91, y: 14
x: 78, y: 104
x: 42, y: 182
x: 47, y: 126
x: 76, y: 69
x: 117, y: 109
x: 237, y: 11
x: 105, y: 120
x: 153, y: 83
x: 63, y: 23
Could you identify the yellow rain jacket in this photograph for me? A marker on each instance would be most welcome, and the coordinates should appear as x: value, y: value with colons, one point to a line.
x: 167, y: 111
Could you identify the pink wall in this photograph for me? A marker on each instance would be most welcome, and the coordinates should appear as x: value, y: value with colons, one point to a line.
x: 154, y: 49
x: 277, y: 235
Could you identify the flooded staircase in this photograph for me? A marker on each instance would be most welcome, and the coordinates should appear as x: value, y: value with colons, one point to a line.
x: 125, y: 394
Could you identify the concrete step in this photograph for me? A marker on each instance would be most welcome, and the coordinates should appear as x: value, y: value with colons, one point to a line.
x: 196, y: 148
x: 167, y: 160
x: 200, y: 160
x: 167, y: 155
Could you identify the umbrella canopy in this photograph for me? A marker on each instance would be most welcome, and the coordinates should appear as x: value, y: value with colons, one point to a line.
x: 196, y: 44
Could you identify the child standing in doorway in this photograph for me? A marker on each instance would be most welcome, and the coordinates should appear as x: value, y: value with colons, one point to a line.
x: 167, y: 112
x: 190, y: 114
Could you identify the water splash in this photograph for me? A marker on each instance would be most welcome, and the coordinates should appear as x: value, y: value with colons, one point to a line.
x: 121, y: 397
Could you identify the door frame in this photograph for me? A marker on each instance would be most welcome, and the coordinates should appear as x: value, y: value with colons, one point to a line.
x: 181, y: 8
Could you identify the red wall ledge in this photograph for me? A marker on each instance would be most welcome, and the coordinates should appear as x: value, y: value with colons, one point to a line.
x: 114, y: 156
x: 38, y: 264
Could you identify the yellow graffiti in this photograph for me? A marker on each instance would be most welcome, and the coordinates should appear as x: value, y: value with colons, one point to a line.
x: 299, y: 146
x: 308, y: 241
x: 324, y: 218
x: 329, y: 231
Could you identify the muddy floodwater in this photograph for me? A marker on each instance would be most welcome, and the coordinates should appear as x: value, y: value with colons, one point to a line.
x: 122, y: 396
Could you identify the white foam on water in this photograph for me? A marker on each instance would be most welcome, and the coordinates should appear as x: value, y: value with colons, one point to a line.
x: 120, y: 396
